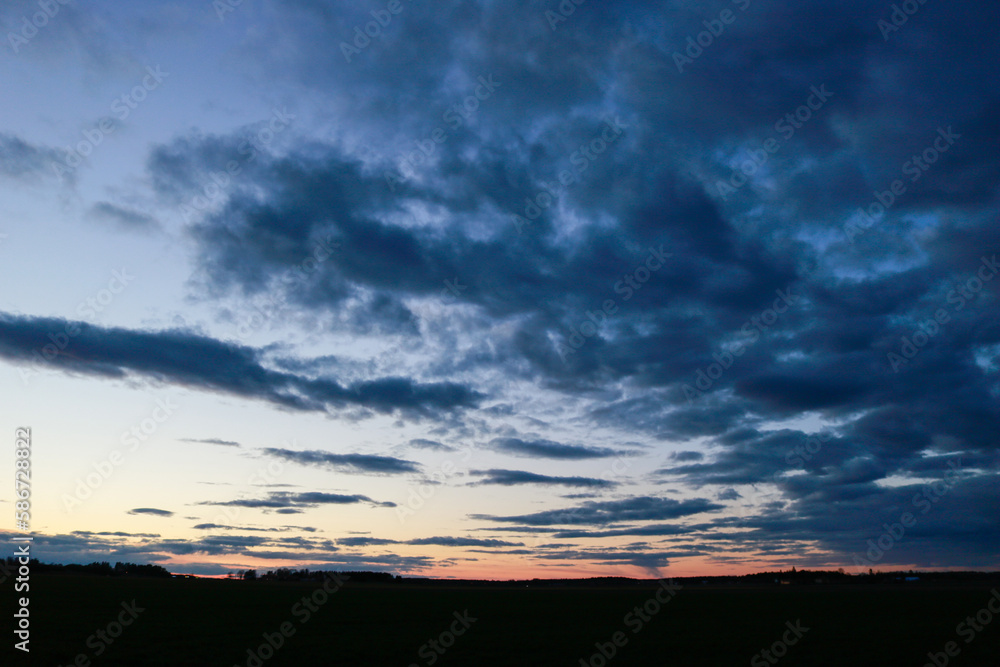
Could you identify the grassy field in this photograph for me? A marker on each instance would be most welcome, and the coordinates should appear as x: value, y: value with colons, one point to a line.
x: 212, y: 622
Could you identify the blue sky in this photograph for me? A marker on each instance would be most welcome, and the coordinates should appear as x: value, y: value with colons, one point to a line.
x: 503, y: 289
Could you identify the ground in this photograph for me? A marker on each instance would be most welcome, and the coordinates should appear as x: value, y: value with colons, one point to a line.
x: 216, y: 622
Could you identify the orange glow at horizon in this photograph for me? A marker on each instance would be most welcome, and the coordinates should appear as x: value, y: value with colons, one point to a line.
x: 494, y: 571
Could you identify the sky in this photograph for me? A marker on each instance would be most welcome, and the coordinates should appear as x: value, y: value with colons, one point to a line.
x: 503, y: 290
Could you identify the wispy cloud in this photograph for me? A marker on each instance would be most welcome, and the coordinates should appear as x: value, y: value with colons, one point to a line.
x: 549, y: 449
x: 212, y: 441
x: 151, y: 511
x: 599, y: 513
x: 283, y: 500
x: 353, y: 463
x: 422, y: 443
x: 516, y: 477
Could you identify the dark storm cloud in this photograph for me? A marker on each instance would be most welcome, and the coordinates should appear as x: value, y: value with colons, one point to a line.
x: 549, y: 450
x: 701, y: 347
x: 359, y: 463
x: 150, y: 511
x: 838, y: 513
x: 751, y: 456
x: 516, y: 477
x: 191, y: 359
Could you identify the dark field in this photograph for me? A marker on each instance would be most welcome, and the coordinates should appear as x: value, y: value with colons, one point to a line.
x: 206, y: 622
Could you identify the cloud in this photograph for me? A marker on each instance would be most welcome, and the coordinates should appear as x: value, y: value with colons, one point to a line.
x: 213, y: 441
x: 282, y: 529
x: 599, y: 513
x: 310, y: 552
x: 637, y: 531
x: 189, y: 359
x: 22, y: 160
x: 282, y: 501
x: 150, y: 511
x: 428, y: 541
x: 365, y: 541
x: 515, y: 477
x: 352, y: 463
x: 839, y: 512
x: 123, y: 218
x: 693, y: 354
x: 462, y: 542
x: 550, y: 450
x: 707, y: 319
x: 422, y: 443
x: 648, y: 560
